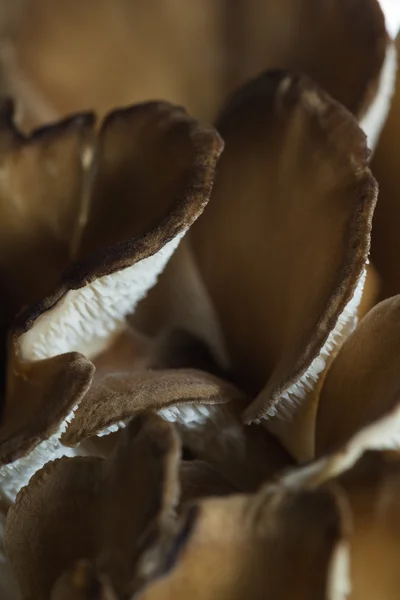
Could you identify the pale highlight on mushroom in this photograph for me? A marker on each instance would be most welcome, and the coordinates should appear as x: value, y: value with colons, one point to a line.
x: 339, y: 584
x: 373, y: 120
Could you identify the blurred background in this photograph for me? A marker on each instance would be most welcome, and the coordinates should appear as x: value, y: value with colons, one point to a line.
x: 62, y: 56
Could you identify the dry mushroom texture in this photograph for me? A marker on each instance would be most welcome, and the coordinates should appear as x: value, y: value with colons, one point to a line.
x: 108, y: 226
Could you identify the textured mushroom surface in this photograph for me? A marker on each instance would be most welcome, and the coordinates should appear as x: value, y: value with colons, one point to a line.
x: 127, y: 216
x: 294, y: 190
x: 113, y: 203
x: 359, y: 402
x: 97, y: 509
x: 198, y: 391
x: 38, y: 409
x: 181, y: 394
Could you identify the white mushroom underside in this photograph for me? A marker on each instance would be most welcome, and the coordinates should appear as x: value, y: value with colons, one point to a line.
x: 194, y: 415
x: 190, y: 415
x: 17, y: 474
x: 86, y: 320
x: 294, y: 395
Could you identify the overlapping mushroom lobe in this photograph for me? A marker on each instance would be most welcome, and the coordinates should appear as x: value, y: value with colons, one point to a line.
x: 283, y: 244
x: 343, y: 46
x: 359, y: 405
x: 117, y: 201
x: 96, y: 509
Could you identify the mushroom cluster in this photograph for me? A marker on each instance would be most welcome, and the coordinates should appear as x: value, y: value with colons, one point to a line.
x: 200, y: 348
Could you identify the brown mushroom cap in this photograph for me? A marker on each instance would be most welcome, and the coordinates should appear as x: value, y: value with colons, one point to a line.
x: 118, y: 396
x: 359, y: 403
x: 149, y: 177
x: 117, y: 202
x: 93, y: 508
x: 283, y: 244
x: 271, y: 545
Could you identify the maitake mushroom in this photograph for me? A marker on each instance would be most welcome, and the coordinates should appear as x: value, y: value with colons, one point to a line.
x: 190, y: 406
